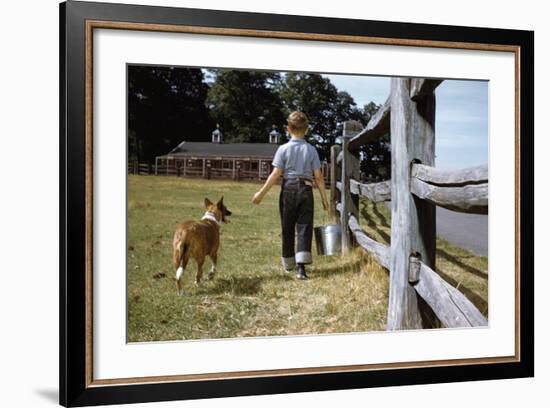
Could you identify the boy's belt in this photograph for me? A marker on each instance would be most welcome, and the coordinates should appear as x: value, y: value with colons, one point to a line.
x: 299, y: 180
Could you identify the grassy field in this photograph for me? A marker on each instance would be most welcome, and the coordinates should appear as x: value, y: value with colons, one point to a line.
x: 250, y: 295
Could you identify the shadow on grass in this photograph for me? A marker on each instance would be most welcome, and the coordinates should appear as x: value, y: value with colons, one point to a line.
x: 474, y: 271
x: 370, y: 222
x: 477, y: 300
x: 238, y: 286
x: 367, y: 218
x: 252, y: 285
x: 381, y: 217
x: 328, y: 271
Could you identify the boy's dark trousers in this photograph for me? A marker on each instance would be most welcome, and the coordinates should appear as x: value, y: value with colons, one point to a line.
x: 296, y: 210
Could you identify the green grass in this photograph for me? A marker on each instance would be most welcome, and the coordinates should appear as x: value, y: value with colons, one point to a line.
x: 250, y: 295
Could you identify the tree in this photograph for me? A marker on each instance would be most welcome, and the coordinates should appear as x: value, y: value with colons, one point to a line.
x: 368, y: 112
x: 165, y: 106
x: 245, y: 104
x: 375, y: 155
x: 325, y: 107
x: 316, y: 97
x: 346, y: 109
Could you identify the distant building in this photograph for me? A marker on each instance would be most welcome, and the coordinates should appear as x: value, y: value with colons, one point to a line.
x: 274, y: 136
x: 217, y: 159
x: 217, y: 135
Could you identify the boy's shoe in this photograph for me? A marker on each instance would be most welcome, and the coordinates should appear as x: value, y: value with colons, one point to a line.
x: 288, y: 264
x: 301, y: 272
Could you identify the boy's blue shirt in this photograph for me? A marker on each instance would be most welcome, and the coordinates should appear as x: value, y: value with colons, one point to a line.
x: 297, y: 158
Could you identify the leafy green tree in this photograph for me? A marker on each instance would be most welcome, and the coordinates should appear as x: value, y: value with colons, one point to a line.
x: 325, y: 107
x: 165, y: 106
x: 346, y: 109
x: 245, y: 104
x: 375, y: 155
x: 314, y: 95
x: 168, y: 104
x: 368, y: 112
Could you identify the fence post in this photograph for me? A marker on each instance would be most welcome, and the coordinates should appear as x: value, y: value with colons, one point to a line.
x: 259, y: 170
x: 334, y: 151
x: 350, y: 169
x: 413, y: 220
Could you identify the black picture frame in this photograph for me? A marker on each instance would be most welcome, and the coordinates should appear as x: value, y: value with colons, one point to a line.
x: 75, y: 386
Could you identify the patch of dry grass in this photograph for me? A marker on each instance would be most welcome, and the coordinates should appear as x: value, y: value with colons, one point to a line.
x: 459, y: 267
x: 251, y: 295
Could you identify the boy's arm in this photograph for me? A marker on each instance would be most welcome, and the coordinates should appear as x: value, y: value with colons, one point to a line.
x: 271, y: 180
x: 320, y: 181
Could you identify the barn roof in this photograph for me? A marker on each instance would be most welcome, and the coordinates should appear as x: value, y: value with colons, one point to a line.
x: 185, y: 149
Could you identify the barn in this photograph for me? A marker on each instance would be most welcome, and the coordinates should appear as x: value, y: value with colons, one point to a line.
x: 216, y: 159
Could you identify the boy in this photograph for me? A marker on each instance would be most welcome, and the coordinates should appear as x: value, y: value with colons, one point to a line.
x: 298, y: 162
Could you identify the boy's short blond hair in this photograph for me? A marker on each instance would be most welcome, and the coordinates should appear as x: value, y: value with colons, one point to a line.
x: 297, y: 122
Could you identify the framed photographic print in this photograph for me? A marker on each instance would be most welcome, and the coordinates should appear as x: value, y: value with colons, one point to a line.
x: 256, y: 203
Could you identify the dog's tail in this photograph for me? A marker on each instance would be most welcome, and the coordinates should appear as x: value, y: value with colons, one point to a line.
x: 181, y: 248
x: 181, y: 251
x: 184, y: 249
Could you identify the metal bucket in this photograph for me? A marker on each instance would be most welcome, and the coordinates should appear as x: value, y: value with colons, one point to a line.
x: 328, y: 239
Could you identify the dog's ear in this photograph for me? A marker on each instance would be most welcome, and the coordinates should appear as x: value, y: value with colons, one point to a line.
x: 220, y: 203
x: 207, y: 202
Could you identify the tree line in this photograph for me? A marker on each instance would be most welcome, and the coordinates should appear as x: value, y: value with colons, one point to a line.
x: 167, y: 105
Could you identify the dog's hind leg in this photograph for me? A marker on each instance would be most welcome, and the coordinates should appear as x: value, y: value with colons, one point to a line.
x: 198, y: 277
x: 214, y: 258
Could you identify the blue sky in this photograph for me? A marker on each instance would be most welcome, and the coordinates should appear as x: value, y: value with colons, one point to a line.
x: 461, y: 138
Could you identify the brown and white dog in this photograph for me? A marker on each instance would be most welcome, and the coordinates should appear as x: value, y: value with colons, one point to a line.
x: 197, y: 239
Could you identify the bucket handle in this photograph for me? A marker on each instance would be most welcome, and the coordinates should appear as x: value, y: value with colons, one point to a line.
x: 326, y: 219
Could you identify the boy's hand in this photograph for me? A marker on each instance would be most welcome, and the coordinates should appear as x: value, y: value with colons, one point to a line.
x: 325, y: 205
x: 257, y: 199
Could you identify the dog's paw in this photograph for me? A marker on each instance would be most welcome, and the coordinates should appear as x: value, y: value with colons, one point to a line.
x: 180, y: 293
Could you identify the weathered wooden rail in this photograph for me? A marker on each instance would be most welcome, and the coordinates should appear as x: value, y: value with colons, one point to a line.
x: 415, y: 188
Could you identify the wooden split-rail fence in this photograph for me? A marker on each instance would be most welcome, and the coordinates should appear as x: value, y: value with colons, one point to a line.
x: 205, y: 170
x: 415, y: 188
